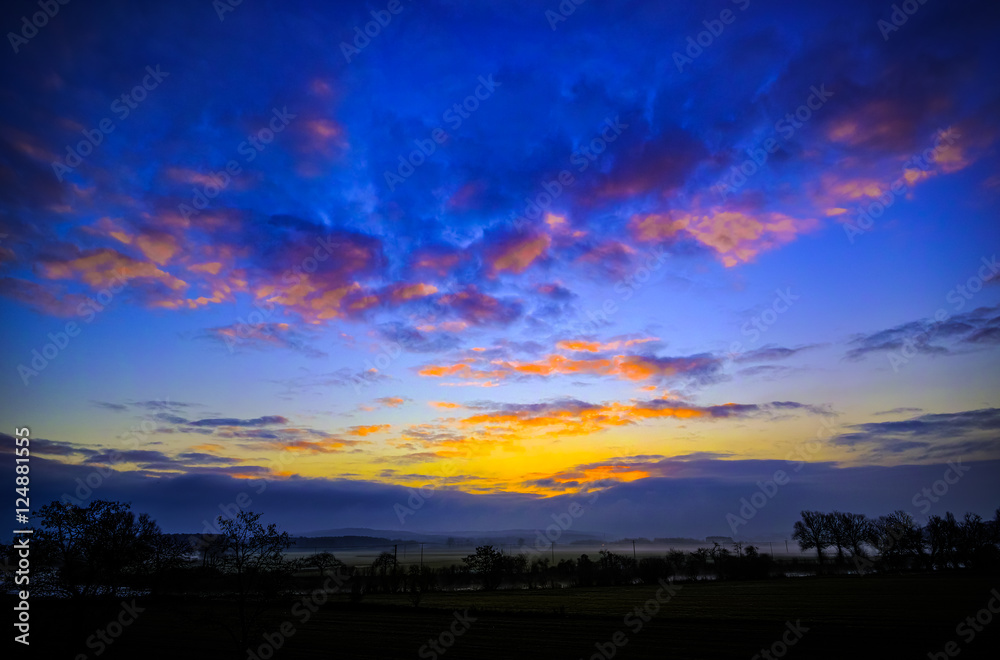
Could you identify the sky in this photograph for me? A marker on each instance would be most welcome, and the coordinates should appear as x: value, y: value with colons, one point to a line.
x: 437, y: 266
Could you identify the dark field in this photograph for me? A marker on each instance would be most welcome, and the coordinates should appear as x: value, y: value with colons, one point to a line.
x: 845, y: 617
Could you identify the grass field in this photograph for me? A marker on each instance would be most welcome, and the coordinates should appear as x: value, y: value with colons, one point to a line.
x: 845, y: 617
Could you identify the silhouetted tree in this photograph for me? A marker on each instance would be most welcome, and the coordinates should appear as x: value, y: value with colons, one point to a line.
x: 614, y: 568
x: 675, y: 561
x: 976, y: 547
x: 851, y: 531
x: 384, y: 564
x: 697, y: 562
x: 585, y: 571
x: 323, y: 562
x: 943, y: 539
x: 897, y: 539
x: 832, y: 523
x: 254, y: 557
x: 652, y: 569
x: 97, y: 549
x: 166, y: 556
x: 488, y: 564
x: 812, y: 532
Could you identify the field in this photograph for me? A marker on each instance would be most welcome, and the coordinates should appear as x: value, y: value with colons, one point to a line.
x: 438, y: 556
x: 836, y: 617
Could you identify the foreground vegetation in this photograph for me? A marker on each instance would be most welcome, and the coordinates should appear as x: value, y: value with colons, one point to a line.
x: 110, y: 580
x: 881, y: 616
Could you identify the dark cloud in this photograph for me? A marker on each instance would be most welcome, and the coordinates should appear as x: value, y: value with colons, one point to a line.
x: 931, y: 436
x: 899, y: 411
x: 44, y: 447
x: 117, y: 407
x: 164, y: 405
x: 415, y: 341
x: 478, y: 308
x: 261, y: 336
x: 267, y: 420
x: 340, y: 378
x: 771, y: 353
x: 710, y: 489
x: 930, y: 337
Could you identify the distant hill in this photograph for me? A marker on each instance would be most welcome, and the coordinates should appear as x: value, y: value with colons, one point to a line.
x: 343, y: 542
x: 463, y: 538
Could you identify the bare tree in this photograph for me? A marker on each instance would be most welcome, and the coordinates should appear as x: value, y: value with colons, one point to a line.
x: 896, y: 538
x: 253, y: 555
x: 812, y: 532
x: 851, y: 531
x: 323, y: 562
x: 943, y: 539
x: 832, y: 523
x: 97, y: 549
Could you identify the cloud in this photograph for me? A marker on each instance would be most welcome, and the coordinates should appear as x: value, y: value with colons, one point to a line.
x: 117, y: 407
x: 928, y: 436
x: 498, y: 423
x: 44, y: 447
x: 368, y: 430
x: 478, y: 308
x: 418, y: 340
x: 709, y: 487
x: 898, y: 411
x: 268, y: 420
x: 44, y: 298
x: 585, y: 346
x: 555, y: 291
x: 446, y: 405
x: 771, y: 353
x: 930, y: 337
x: 105, y: 268
x: 402, y: 292
x: 340, y: 378
x: 736, y: 236
x: 517, y: 251
x: 702, y: 367
x: 261, y: 336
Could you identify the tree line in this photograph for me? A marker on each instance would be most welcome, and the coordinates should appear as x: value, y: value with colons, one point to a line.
x: 896, y: 542
x: 105, y: 550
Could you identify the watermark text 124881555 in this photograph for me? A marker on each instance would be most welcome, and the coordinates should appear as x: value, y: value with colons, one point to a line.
x: 22, y: 456
x: 22, y: 536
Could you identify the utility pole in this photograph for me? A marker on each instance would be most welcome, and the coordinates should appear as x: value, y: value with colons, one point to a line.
x: 633, y: 551
x: 772, y: 549
x: 394, y: 562
x: 421, y: 557
x: 786, y: 546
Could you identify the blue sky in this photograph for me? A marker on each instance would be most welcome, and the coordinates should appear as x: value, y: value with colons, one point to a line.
x: 345, y: 268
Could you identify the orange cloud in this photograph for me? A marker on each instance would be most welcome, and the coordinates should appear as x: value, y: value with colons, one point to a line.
x: 737, y: 237
x: 439, y: 261
x: 325, y: 446
x: 625, y: 367
x: 111, y: 227
x: 103, y: 267
x: 581, y: 346
x: 518, y: 253
x: 208, y: 447
x: 158, y: 247
x: 404, y: 292
x: 368, y: 430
